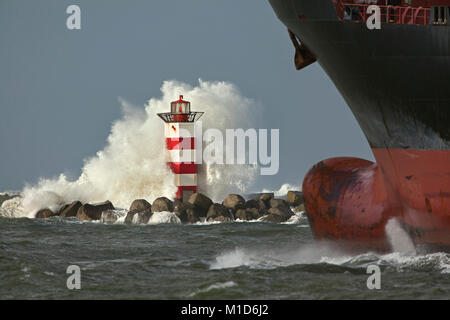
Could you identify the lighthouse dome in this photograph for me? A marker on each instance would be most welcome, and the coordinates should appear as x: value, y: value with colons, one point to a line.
x: 180, y: 106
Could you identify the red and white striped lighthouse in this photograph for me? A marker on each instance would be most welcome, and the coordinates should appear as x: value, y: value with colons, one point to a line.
x: 180, y: 143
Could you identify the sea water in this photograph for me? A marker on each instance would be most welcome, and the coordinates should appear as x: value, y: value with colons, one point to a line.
x: 237, y: 260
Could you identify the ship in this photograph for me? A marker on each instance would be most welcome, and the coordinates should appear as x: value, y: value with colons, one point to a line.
x: 396, y: 80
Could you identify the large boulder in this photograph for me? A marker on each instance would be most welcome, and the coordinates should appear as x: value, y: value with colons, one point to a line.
x: 70, y: 210
x: 266, y: 197
x: 141, y: 211
x: 140, y: 205
x: 277, y: 215
x: 218, y: 212
x: 62, y: 208
x: 263, y: 207
x: 259, y: 204
x: 201, y: 202
x: 162, y: 204
x: 141, y: 217
x: 294, y: 198
x: 129, y: 217
x: 247, y: 214
x: 137, y: 217
x: 252, y: 203
x: 234, y: 202
x: 278, y: 203
x: 186, y: 212
x: 282, y: 205
x: 91, y: 212
x: 45, y: 213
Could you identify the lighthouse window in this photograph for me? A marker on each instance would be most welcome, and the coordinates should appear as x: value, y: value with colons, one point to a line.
x: 184, y: 108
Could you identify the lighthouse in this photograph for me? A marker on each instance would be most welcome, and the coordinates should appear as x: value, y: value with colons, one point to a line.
x: 180, y: 145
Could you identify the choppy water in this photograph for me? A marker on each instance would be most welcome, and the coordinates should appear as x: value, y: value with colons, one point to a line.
x: 206, y: 261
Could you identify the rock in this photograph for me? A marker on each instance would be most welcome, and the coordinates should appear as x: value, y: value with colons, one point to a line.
x: 218, y: 212
x: 70, y: 210
x: 109, y: 217
x: 45, y: 213
x: 294, y: 198
x: 247, y: 214
x: 91, y: 212
x: 263, y: 207
x: 142, y: 217
x: 60, y: 210
x: 234, y: 202
x: 140, y: 205
x: 186, y: 212
x: 141, y: 211
x: 162, y: 204
x: 277, y: 215
x: 282, y: 211
x: 179, y: 206
x: 137, y: 217
x: 129, y: 217
x: 257, y: 204
x: 201, y: 202
x: 252, y: 203
x: 266, y: 197
x: 273, y: 218
x: 278, y: 203
x: 191, y: 215
x: 299, y: 208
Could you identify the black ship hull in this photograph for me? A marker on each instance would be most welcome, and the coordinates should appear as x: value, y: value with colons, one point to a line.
x: 397, y: 83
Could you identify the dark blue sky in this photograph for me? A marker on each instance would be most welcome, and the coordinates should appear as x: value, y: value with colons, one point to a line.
x: 59, y: 89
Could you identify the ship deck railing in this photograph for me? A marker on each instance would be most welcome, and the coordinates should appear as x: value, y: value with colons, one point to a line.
x: 402, y: 14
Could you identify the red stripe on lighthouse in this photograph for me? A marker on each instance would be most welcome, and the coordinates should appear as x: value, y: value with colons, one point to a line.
x: 183, y: 168
x: 180, y: 143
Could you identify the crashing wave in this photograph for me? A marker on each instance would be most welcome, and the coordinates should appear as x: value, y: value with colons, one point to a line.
x: 133, y: 165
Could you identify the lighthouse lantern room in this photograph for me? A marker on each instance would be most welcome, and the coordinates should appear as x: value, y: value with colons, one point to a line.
x: 180, y: 145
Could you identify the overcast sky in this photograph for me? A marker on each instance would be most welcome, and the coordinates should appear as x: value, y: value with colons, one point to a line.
x: 59, y: 89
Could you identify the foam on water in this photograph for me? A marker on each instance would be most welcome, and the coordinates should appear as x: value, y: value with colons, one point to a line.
x: 133, y: 164
x: 114, y: 216
x: 12, y: 208
x: 297, y: 218
x: 318, y: 254
x: 265, y: 258
x: 283, y: 190
x: 402, y: 258
x: 215, y: 286
x: 164, y: 217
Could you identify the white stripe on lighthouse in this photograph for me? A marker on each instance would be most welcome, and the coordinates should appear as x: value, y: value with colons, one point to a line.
x: 181, y: 155
x: 179, y: 130
x: 186, y: 180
